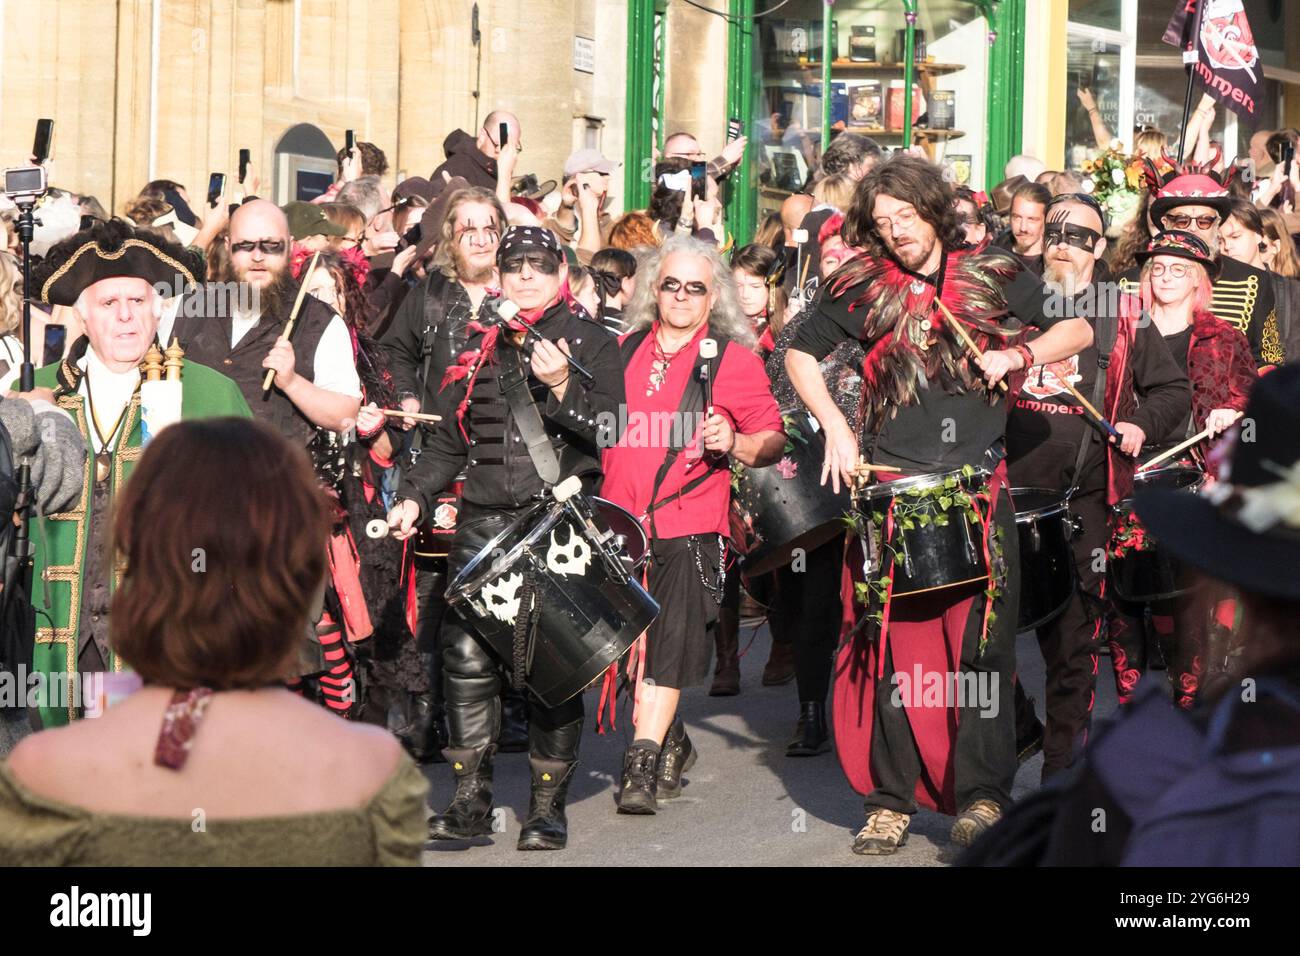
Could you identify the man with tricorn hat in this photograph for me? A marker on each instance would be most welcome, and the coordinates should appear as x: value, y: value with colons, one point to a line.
x: 109, y: 274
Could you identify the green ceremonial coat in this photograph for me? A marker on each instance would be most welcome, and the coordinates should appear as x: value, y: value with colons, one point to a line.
x: 61, y: 539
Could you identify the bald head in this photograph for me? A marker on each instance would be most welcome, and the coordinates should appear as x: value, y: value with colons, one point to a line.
x: 488, y: 141
x: 259, y: 243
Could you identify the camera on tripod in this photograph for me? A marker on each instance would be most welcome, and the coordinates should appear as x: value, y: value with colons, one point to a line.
x: 25, y: 184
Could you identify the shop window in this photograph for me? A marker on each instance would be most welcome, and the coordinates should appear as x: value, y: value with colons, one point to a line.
x: 792, y: 119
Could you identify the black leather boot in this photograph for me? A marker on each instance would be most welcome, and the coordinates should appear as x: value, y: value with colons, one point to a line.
x: 470, y: 811
x: 677, y: 756
x: 726, y: 634
x: 547, y: 828
x: 637, y: 794
x: 513, y: 738
x: 810, y: 734
x: 425, y: 732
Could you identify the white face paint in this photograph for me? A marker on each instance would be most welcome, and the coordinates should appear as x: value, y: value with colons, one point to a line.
x: 569, y: 559
x: 502, y: 597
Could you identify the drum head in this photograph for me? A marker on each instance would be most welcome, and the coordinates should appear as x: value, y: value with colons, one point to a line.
x: 1170, y: 478
x: 504, y: 551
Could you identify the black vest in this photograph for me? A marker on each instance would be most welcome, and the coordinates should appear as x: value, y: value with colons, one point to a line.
x: 206, y: 340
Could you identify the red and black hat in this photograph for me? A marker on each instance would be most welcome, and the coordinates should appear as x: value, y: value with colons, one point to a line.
x: 1184, y: 245
x: 1192, y: 184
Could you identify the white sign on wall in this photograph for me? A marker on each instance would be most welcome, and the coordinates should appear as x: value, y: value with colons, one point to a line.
x: 584, y: 54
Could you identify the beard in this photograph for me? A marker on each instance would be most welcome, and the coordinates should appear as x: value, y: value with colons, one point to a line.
x: 276, y: 297
x: 1061, y: 277
x: 467, y: 272
x: 913, y: 253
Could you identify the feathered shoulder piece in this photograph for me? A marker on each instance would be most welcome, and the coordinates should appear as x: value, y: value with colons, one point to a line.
x: 905, y: 333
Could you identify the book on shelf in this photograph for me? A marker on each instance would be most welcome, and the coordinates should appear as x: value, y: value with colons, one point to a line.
x: 956, y: 168
x: 894, y: 105
x: 862, y: 44
x: 942, y: 108
x: 864, y: 106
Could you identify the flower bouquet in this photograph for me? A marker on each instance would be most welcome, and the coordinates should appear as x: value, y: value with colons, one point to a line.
x: 1114, y: 179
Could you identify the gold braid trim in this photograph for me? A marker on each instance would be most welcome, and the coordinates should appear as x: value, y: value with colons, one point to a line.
x: 111, y: 257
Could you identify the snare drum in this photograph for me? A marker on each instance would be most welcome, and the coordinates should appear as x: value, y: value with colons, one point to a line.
x: 784, y: 507
x: 1140, y: 570
x: 588, y: 603
x: 1047, y: 578
x: 936, y: 542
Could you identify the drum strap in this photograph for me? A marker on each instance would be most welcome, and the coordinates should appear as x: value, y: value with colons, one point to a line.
x: 692, y: 399
x: 1105, y: 331
x: 514, y: 387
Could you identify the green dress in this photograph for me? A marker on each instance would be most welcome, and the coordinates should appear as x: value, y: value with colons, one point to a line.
x: 390, y: 830
x: 61, y: 539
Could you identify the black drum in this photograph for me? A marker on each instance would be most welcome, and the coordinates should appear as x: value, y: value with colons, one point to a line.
x: 588, y: 605
x: 1140, y: 570
x: 785, y: 506
x: 936, y: 541
x: 1047, y: 577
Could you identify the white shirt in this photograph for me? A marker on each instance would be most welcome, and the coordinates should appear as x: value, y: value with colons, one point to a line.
x: 334, y: 368
x: 112, y: 393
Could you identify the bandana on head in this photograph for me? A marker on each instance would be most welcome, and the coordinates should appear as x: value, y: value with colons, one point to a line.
x: 526, y: 238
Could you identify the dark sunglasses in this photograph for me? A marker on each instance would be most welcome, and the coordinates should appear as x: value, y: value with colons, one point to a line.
x: 542, y: 262
x: 268, y: 247
x: 673, y: 286
x: 1185, y: 222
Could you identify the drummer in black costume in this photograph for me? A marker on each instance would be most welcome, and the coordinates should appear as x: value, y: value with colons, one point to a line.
x: 1053, y: 444
x: 489, y: 434
x: 806, y: 607
x: 424, y: 339
x: 926, y: 411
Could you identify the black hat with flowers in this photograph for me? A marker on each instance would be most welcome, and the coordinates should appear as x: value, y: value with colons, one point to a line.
x: 1184, y: 245
x: 1245, y: 527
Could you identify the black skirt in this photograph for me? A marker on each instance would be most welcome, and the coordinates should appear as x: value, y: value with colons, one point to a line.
x: 679, y: 644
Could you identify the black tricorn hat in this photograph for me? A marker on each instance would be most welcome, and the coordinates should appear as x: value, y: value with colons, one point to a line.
x: 109, y: 250
x: 1245, y: 529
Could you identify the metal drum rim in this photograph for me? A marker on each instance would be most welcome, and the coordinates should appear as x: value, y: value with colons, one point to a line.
x: 1048, y: 511
x: 463, y: 579
x: 888, y: 489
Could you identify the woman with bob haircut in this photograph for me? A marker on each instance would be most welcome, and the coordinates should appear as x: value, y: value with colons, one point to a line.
x: 219, y: 533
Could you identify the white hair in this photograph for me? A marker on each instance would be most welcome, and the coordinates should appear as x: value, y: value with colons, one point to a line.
x: 1024, y: 165
x: 726, y: 317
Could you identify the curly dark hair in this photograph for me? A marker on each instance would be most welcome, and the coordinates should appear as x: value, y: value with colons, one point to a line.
x: 666, y: 204
x: 907, y: 179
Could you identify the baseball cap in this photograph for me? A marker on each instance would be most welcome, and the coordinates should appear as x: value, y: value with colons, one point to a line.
x: 306, y: 219
x: 587, y: 161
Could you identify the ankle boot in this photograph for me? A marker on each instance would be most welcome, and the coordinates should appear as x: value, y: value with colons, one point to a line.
x: 810, y: 735
x: 726, y: 634
x: 513, y: 738
x: 547, y: 828
x: 780, y: 665
x: 470, y: 812
x: 677, y: 756
x: 637, y: 794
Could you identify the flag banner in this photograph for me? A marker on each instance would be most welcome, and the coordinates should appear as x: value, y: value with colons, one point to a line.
x: 1227, y: 60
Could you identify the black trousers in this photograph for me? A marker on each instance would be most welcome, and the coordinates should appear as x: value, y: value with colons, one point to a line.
x: 1071, y: 642
x: 471, y: 674
x: 984, y: 759
x: 805, y: 611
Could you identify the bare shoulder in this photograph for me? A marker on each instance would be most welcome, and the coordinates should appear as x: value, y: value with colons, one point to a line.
x: 368, y: 751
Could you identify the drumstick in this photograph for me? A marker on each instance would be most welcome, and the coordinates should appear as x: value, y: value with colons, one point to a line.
x: 1176, y: 449
x: 708, y: 352
x: 288, y: 326
x: 965, y: 337
x: 418, y: 416
x: 1101, y: 419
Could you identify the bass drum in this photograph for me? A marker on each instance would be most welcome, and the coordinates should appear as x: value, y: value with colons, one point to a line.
x: 1047, y: 577
x: 570, y: 567
x: 785, y: 507
x: 1140, y: 570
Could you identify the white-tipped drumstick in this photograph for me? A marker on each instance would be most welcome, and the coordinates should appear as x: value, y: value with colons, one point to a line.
x: 708, y: 352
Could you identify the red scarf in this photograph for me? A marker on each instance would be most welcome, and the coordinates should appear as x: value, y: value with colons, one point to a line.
x: 470, y: 361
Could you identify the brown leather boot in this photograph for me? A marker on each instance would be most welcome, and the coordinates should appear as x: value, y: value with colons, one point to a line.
x: 726, y: 677
x: 780, y: 665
